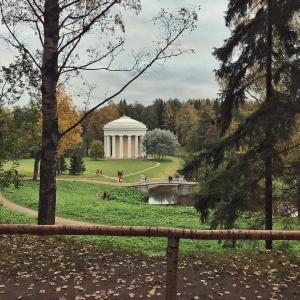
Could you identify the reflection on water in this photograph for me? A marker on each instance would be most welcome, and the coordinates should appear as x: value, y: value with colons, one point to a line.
x: 167, y: 195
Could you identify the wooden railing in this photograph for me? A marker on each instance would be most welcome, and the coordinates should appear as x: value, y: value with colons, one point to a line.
x: 172, y: 234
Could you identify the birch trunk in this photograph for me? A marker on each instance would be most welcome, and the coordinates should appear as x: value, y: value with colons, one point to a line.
x: 50, y: 133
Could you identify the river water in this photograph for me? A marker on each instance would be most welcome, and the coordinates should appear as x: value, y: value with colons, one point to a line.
x: 166, y: 195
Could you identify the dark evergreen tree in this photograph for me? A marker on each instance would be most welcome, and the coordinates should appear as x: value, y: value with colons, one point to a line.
x: 169, y: 118
x: 149, y: 117
x: 123, y: 108
x: 197, y: 135
x: 216, y: 107
x: 137, y: 111
x: 257, y: 57
x: 196, y: 103
x: 175, y: 104
x: 159, y: 107
x: 63, y: 164
x: 76, y: 165
x: 130, y: 111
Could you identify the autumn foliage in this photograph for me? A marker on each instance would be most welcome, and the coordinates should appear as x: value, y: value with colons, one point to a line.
x: 67, y: 116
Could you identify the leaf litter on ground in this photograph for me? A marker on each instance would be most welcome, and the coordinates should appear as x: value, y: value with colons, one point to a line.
x: 34, y: 267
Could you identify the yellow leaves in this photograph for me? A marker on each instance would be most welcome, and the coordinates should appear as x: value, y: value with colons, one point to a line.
x: 97, y: 120
x: 67, y: 116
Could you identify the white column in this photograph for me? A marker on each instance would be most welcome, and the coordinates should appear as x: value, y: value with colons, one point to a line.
x: 108, y: 146
x: 129, y: 146
x: 141, y: 143
x: 136, y: 147
x: 105, y: 145
x: 113, y: 146
x: 121, y: 146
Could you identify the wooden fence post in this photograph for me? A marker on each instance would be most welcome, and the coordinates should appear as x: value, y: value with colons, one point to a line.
x: 172, y: 265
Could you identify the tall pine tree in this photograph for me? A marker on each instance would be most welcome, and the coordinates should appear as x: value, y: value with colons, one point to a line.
x: 255, y: 60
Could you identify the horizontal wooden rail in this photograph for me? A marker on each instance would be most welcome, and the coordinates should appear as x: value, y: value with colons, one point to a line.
x: 150, y: 231
x: 172, y: 234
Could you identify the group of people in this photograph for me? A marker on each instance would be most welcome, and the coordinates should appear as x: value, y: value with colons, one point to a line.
x: 120, y: 176
x: 99, y: 172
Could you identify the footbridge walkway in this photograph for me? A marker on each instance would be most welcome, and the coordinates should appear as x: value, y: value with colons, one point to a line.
x: 183, y: 187
x: 173, y: 181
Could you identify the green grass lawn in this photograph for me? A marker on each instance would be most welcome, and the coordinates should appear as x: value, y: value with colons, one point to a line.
x: 132, y: 169
x: 78, y: 200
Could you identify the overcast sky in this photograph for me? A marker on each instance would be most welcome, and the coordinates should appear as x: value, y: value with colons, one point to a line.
x: 189, y: 76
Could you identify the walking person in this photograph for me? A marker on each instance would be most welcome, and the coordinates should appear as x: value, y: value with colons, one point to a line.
x: 120, y: 175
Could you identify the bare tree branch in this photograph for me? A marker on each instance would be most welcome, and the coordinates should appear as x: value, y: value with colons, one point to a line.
x: 159, y: 56
x: 20, y: 45
x: 35, y: 12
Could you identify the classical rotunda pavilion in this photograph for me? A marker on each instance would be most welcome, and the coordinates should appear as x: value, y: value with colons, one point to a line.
x: 123, y: 138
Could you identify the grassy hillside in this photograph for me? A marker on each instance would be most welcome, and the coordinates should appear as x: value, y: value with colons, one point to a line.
x: 79, y: 201
x: 132, y: 169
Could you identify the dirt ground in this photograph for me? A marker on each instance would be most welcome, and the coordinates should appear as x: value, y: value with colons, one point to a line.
x: 48, y: 268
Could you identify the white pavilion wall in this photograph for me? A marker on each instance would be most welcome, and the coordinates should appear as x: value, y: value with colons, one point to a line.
x: 126, y: 141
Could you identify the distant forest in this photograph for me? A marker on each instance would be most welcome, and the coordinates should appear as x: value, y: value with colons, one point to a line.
x: 194, y: 121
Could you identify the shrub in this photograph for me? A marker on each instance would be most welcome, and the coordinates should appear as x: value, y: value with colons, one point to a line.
x: 97, y: 150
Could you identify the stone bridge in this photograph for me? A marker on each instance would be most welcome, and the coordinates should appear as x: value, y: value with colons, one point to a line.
x: 183, y: 187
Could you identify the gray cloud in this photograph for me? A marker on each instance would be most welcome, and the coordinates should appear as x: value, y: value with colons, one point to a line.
x: 184, y: 77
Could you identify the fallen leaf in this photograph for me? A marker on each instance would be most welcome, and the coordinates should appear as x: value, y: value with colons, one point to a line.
x: 131, y: 295
x: 152, y: 292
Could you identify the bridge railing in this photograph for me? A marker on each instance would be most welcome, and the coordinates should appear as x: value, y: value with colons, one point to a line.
x: 172, y: 234
x: 144, y: 179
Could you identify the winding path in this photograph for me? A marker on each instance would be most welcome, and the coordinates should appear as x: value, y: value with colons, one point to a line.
x: 33, y: 213
x: 60, y: 220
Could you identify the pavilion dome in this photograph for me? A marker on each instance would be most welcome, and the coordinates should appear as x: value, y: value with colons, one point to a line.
x: 125, y: 123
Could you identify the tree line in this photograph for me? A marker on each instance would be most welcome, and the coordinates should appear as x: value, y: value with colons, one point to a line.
x: 22, y: 126
x: 177, y: 117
